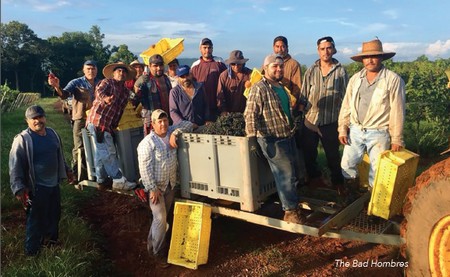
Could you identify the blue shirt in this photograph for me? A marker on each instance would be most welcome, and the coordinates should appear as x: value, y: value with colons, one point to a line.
x: 182, y: 107
x: 45, y: 158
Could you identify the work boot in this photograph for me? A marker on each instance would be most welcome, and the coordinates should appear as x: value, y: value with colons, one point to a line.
x: 123, y: 184
x: 293, y: 216
x: 161, y: 261
x: 352, y: 186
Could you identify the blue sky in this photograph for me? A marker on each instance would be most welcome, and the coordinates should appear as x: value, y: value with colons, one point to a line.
x: 409, y: 28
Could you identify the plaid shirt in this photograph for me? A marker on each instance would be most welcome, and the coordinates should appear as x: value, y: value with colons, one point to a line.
x: 264, y: 116
x: 324, y: 94
x: 104, y: 116
x: 157, y: 161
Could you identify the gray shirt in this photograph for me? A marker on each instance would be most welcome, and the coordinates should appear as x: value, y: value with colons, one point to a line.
x: 45, y: 158
x: 365, y: 92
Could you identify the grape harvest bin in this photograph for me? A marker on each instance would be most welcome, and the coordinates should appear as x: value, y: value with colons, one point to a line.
x: 222, y: 167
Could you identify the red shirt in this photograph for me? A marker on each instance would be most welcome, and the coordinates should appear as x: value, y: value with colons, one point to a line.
x: 208, y: 72
x: 107, y: 116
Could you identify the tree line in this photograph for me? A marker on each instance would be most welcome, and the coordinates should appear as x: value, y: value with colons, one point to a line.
x: 27, y: 60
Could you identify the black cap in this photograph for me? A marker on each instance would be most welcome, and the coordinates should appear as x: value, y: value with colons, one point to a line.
x: 206, y: 41
x: 156, y: 59
x: 34, y: 111
x: 325, y: 39
x: 280, y: 38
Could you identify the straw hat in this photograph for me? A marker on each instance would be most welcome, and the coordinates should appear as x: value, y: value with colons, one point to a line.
x: 136, y: 62
x: 109, y: 69
x: 372, y: 48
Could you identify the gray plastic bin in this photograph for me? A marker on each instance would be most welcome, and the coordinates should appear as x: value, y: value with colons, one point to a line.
x: 221, y: 167
x: 127, y: 142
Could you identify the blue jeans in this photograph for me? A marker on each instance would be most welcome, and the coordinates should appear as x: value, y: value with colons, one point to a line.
x: 282, y: 156
x: 105, y: 157
x: 42, y: 218
x: 157, y: 233
x: 374, y: 141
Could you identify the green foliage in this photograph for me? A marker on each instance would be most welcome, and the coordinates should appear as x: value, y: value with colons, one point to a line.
x: 8, y: 96
x: 122, y: 54
x: 78, y: 254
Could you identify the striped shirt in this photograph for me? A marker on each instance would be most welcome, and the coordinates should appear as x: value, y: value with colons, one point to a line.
x: 106, y: 116
x: 264, y: 116
x: 157, y: 160
x: 324, y: 94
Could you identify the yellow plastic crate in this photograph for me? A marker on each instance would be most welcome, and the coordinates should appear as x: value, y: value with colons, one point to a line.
x: 191, y: 231
x: 168, y: 48
x: 395, y: 175
x: 130, y: 118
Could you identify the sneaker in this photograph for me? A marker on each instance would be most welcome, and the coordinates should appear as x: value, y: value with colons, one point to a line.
x: 123, y: 184
x: 293, y: 216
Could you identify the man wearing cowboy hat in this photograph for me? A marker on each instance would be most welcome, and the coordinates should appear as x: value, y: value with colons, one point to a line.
x: 111, y: 97
x: 139, y: 67
x: 372, y: 114
x: 230, y: 90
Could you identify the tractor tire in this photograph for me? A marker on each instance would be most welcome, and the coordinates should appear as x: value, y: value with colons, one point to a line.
x: 426, y: 228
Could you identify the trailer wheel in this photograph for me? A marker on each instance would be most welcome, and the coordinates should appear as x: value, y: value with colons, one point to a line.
x: 427, y: 227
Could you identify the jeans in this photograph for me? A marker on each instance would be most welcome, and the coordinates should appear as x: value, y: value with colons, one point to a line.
x: 105, y: 157
x: 330, y: 144
x: 374, y: 141
x: 42, y: 218
x: 157, y: 232
x: 281, y: 154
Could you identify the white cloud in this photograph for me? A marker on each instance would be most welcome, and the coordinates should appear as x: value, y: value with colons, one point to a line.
x: 346, y: 51
x: 376, y: 27
x: 393, y: 14
x: 44, y: 6
x: 258, y: 9
x: 287, y: 9
x: 438, y: 48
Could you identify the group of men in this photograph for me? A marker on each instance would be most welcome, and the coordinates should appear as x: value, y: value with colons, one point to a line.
x: 365, y: 114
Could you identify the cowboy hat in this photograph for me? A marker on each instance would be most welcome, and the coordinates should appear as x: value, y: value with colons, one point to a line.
x: 136, y: 62
x: 236, y: 57
x: 109, y: 69
x: 372, y: 48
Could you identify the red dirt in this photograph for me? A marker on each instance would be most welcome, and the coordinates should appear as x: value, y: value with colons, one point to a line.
x: 237, y: 248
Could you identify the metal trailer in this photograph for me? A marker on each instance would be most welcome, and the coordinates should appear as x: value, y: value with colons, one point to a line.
x: 426, y: 235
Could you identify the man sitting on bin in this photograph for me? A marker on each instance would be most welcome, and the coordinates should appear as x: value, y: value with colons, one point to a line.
x: 157, y: 158
x: 111, y: 97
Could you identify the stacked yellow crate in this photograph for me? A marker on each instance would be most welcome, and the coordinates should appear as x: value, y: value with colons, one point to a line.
x: 130, y: 118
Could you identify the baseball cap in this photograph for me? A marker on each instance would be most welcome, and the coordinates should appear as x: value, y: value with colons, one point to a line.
x: 325, y: 39
x: 272, y: 58
x: 90, y: 62
x: 156, y: 59
x: 206, y: 41
x: 34, y: 111
x: 158, y: 114
x: 183, y: 70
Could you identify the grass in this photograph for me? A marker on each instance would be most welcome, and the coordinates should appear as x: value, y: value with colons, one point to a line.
x: 78, y: 254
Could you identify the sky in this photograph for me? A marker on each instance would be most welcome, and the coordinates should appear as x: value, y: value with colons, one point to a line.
x: 410, y: 28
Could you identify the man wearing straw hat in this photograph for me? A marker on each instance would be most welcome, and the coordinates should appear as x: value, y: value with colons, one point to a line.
x: 111, y: 97
x: 372, y: 114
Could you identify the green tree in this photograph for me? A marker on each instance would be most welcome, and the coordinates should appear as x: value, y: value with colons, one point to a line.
x: 22, y: 52
x: 122, y: 53
x: 101, y: 53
